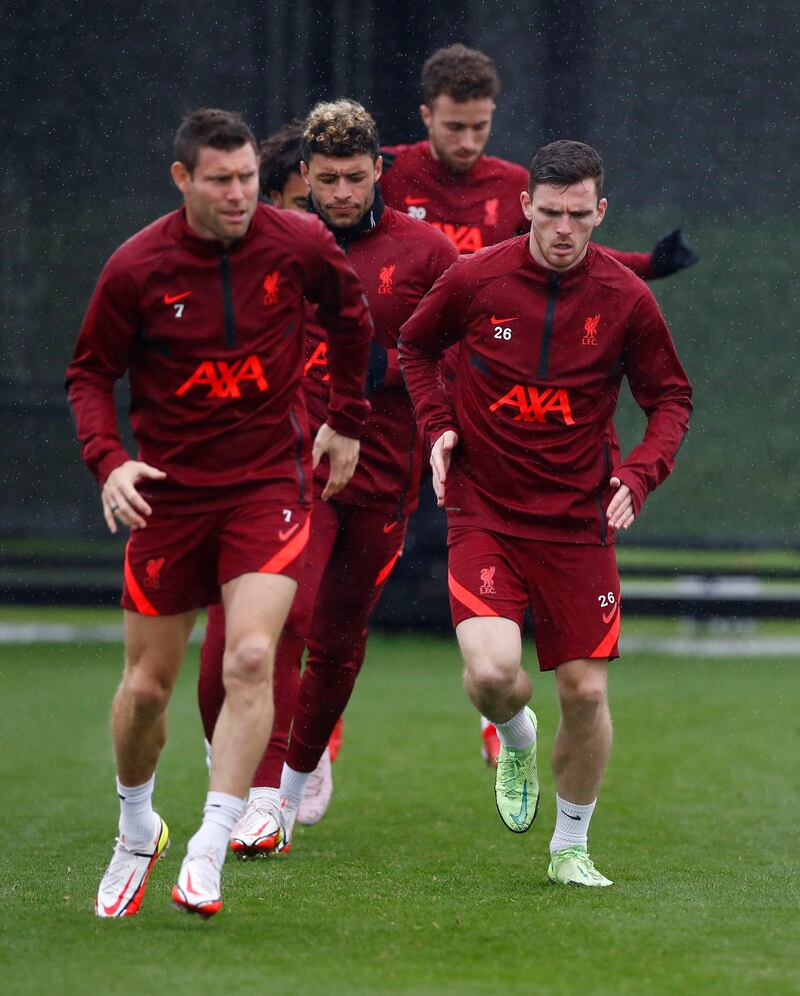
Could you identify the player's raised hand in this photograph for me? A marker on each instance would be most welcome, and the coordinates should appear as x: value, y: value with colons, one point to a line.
x: 620, y: 508
x: 120, y: 498
x: 342, y: 453
x: 441, y: 451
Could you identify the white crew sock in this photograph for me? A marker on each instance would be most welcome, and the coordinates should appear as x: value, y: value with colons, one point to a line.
x: 293, y: 786
x: 137, y: 820
x: 572, y: 824
x: 266, y: 793
x: 518, y: 733
x: 220, y: 815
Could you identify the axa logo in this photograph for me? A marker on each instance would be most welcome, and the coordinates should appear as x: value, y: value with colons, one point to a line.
x: 271, y: 291
x: 319, y: 358
x: 152, y: 571
x: 590, y: 328
x: 386, y: 279
x: 223, y: 379
x: 532, y: 405
x: 466, y: 238
x: 490, y: 211
x: 487, y: 581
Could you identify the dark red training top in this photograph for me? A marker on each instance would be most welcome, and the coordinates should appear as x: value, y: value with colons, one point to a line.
x: 212, y: 340
x: 398, y: 261
x: 541, y: 359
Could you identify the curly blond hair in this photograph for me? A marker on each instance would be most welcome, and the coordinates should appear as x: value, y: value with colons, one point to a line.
x: 339, y: 128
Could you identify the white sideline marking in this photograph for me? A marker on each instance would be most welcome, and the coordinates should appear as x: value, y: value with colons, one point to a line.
x: 70, y: 633
x: 712, y: 646
x: 678, y: 646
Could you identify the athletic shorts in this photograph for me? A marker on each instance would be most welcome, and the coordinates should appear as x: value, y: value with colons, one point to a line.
x: 178, y: 563
x: 572, y: 591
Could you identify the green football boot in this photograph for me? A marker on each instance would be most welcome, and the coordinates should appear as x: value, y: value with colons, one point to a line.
x: 516, y: 785
x: 573, y: 866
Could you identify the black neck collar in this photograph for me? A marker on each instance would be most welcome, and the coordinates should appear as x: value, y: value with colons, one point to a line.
x: 345, y: 237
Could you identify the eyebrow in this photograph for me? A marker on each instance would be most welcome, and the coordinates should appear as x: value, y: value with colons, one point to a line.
x: 352, y: 172
x: 466, y: 124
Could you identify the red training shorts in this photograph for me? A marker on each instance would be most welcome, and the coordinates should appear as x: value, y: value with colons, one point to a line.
x: 572, y: 590
x: 180, y: 562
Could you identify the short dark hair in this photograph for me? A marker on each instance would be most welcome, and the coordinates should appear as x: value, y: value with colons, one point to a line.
x: 280, y: 156
x: 563, y: 163
x: 461, y: 73
x: 213, y: 128
x: 340, y: 128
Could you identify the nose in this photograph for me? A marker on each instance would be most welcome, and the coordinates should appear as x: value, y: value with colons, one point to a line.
x: 564, y: 227
x: 341, y: 191
x: 235, y: 190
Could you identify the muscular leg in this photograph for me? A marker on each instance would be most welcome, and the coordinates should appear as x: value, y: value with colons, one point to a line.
x: 285, y: 683
x: 154, y: 649
x: 583, y: 740
x: 494, y: 678
x: 256, y: 606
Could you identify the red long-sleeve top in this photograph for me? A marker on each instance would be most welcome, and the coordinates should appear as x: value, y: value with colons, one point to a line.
x: 541, y: 360
x: 398, y: 261
x: 212, y: 340
x: 476, y: 208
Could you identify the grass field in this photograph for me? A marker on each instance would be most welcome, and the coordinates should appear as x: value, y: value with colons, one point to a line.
x: 410, y: 884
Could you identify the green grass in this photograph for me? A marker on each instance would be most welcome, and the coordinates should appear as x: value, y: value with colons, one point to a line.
x: 410, y: 884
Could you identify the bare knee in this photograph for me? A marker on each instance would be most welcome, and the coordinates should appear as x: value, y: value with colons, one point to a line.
x: 248, y: 662
x: 147, y: 693
x: 491, y: 676
x: 582, y: 693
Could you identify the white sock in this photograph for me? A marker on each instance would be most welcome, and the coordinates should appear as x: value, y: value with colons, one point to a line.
x: 518, y: 733
x: 137, y: 820
x: 267, y: 794
x: 293, y: 785
x: 572, y: 824
x: 220, y: 815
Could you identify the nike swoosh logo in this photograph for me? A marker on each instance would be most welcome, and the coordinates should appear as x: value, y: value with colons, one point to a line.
x: 172, y: 298
x: 284, y: 534
x: 389, y: 526
x: 111, y: 910
x: 417, y: 200
x: 607, y: 618
x: 502, y: 321
x: 523, y: 809
x: 571, y: 817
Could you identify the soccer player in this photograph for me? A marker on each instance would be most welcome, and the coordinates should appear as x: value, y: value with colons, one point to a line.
x: 357, y: 537
x: 204, y: 310
x: 450, y: 182
x: 283, y: 186
x: 473, y: 198
x: 526, y: 461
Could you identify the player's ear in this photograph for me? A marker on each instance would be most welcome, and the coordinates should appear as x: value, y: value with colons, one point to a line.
x: 378, y: 168
x: 602, y: 204
x: 275, y: 198
x: 180, y: 176
x: 425, y: 114
x: 304, y: 172
x: 527, y: 206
